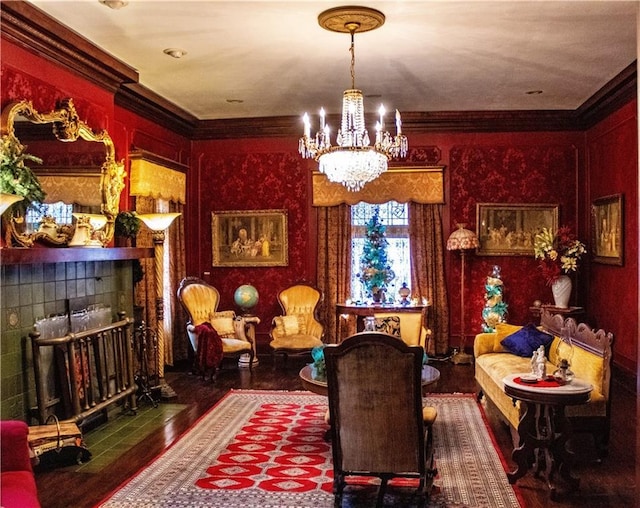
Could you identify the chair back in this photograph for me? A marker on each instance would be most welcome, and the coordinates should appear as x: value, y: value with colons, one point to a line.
x: 198, y: 299
x: 303, y: 300
x: 375, y: 405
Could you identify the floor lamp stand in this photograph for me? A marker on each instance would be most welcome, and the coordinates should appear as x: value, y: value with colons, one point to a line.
x: 158, y: 223
x: 461, y: 357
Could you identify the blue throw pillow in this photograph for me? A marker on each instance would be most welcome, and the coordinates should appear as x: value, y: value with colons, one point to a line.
x: 526, y: 340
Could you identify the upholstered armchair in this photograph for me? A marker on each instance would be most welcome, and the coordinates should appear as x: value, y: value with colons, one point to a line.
x: 200, y: 301
x: 298, y: 330
x: 379, y: 426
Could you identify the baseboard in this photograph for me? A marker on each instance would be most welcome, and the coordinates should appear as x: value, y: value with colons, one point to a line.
x: 624, y: 378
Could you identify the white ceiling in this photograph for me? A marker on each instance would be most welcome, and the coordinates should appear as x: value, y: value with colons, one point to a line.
x: 428, y: 56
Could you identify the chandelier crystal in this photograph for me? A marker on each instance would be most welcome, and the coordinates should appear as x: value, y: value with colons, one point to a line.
x: 353, y: 161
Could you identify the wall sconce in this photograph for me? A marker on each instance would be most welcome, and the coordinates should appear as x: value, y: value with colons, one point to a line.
x: 6, y: 200
x: 158, y: 223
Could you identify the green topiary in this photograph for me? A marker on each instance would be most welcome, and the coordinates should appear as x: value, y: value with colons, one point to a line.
x: 127, y: 224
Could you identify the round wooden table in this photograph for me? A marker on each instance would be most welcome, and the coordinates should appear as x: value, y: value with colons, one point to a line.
x: 430, y: 376
x: 544, y: 429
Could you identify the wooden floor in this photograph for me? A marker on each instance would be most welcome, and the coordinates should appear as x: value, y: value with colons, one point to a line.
x: 607, y: 484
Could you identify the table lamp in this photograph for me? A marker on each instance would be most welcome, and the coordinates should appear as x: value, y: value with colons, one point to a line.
x: 158, y: 223
x: 464, y: 241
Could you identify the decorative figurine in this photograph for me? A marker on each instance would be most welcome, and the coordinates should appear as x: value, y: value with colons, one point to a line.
x: 539, y: 363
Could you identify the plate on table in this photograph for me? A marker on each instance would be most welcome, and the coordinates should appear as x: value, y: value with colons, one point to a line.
x: 529, y: 378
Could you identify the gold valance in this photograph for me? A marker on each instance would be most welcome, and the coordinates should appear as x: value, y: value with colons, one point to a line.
x: 423, y: 184
x: 81, y: 188
x: 150, y: 179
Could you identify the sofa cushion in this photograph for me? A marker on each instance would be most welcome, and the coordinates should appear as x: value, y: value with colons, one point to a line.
x: 526, y: 340
x: 503, y: 330
x: 224, y: 326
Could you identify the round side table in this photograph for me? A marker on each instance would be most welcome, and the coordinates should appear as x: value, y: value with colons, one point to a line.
x: 544, y: 429
x: 430, y: 376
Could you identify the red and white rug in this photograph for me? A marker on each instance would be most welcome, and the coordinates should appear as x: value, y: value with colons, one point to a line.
x: 267, y: 449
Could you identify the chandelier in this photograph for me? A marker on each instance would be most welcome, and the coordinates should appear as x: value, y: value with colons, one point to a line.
x: 353, y: 161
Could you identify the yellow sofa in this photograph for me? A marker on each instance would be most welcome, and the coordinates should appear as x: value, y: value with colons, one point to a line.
x: 591, y: 362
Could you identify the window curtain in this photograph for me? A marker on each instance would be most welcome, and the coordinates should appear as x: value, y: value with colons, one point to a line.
x: 427, y: 271
x: 334, y: 264
x: 177, y: 271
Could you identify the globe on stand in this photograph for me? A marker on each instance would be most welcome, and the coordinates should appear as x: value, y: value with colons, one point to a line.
x: 246, y: 297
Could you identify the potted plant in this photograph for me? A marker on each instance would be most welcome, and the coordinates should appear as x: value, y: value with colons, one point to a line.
x: 127, y: 225
x: 17, y: 178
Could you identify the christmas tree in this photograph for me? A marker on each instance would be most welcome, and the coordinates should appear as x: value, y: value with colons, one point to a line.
x: 375, y: 272
x: 495, y: 310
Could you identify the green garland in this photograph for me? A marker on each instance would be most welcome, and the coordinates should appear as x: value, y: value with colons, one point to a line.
x: 495, y: 310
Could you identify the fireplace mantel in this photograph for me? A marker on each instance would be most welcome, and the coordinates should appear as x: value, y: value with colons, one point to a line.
x: 23, y: 256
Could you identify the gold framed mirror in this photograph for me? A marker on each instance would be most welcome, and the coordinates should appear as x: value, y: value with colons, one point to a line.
x: 76, y: 169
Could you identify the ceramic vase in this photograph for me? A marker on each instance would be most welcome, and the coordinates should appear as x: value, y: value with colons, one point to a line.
x: 561, y: 290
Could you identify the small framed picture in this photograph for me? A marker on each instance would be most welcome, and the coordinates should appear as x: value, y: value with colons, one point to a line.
x: 506, y: 229
x: 250, y: 238
x: 607, y: 230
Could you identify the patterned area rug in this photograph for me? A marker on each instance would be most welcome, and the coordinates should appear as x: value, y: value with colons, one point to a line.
x: 267, y: 449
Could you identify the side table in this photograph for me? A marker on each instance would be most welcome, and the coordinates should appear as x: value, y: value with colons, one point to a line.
x: 430, y: 377
x: 544, y: 429
x: 575, y: 312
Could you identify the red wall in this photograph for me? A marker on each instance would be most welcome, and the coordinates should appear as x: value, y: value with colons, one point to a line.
x: 499, y: 168
x: 26, y: 76
x: 251, y: 175
x: 480, y: 167
x: 612, y: 168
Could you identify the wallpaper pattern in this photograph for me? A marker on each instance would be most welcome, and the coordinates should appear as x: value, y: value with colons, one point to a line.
x: 507, y: 174
x: 256, y: 182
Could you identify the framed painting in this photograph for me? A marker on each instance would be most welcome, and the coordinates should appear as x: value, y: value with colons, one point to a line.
x: 607, y: 230
x: 506, y: 229
x: 250, y: 238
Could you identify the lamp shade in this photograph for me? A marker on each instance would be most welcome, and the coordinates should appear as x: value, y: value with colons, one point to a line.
x: 158, y: 221
x: 462, y: 239
x: 6, y: 200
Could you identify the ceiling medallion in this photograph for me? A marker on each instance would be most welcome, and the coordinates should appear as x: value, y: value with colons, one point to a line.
x: 353, y: 161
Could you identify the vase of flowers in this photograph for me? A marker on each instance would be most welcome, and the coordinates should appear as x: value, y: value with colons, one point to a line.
x: 558, y: 254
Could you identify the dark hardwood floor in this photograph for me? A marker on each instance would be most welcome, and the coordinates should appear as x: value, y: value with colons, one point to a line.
x: 607, y: 484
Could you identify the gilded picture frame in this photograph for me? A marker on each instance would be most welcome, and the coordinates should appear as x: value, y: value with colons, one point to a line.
x: 250, y: 238
x: 607, y: 230
x: 509, y: 229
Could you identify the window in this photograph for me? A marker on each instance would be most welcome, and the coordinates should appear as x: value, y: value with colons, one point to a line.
x: 60, y: 211
x: 395, y: 216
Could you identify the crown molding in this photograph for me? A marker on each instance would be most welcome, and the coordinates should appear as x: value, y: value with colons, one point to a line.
x: 615, y: 94
x: 30, y: 28
x: 148, y: 104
